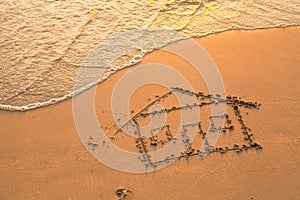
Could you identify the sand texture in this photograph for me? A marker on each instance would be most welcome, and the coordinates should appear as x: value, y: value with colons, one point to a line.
x: 42, y: 156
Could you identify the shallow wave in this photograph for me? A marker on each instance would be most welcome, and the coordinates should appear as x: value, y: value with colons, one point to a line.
x: 44, y: 43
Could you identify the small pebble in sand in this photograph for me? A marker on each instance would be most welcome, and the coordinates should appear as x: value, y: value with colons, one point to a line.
x: 122, y: 193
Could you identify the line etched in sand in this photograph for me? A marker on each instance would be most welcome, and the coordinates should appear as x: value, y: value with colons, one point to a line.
x: 146, y: 145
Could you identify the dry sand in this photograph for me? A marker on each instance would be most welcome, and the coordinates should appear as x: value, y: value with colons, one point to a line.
x: 42, y: 156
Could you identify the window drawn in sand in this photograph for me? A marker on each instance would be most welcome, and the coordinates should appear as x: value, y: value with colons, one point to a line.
x: 234, y: 134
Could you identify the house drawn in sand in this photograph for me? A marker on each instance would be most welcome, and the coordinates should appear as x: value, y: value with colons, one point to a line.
x: 163, y: 135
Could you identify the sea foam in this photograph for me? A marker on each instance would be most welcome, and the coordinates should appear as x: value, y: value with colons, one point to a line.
x: 44, y: 44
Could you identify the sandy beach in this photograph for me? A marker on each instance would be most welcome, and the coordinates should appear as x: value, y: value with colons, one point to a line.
x: 42, y: 156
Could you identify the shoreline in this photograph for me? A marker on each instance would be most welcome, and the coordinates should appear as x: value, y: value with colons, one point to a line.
x: 67, y: 97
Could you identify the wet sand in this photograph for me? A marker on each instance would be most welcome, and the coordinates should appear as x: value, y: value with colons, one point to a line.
x: 42, y: 156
